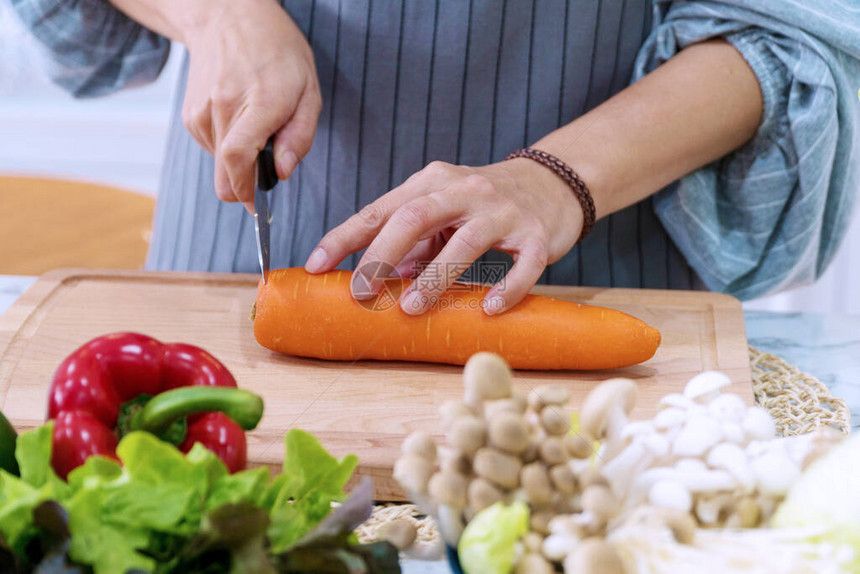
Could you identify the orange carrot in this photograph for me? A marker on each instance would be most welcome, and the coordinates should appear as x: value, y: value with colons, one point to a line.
x: 316, y: 316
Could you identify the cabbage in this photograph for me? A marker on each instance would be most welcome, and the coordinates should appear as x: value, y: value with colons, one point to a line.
x: 488, y: 543
x: 827, y: 495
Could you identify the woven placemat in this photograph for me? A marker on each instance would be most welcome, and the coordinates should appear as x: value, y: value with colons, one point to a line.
x: 798, y: 402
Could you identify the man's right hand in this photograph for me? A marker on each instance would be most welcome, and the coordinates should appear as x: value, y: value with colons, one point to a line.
x: 251, y: 75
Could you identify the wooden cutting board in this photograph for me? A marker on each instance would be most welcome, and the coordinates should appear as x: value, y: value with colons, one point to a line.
x: 366, y: 408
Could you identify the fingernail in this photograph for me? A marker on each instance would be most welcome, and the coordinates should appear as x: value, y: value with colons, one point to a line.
x: 316, y: 261
x: 413, y: 303
x: 494, y: 305
x: 288, y: 162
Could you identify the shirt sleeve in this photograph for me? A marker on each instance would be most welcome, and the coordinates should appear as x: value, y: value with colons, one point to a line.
x: 93, y: 48
x: 771, y: 214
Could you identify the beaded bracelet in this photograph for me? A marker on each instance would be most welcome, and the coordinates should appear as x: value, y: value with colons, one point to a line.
x: 565, y: 172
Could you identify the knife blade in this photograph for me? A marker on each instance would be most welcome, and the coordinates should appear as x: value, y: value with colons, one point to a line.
x: 267, y: 178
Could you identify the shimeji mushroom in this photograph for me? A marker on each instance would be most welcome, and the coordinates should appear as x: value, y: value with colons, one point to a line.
x: 420, y: 444
x: 448, y: 488
x: 467, y: 434
x: 593, y: 556
x: 535, y: 481
x: 486, y: 376
x: 552, y: 450
x: 451, y: 410
x: 509, y: 432
x: 533, y: 563
x: 482, y: 494
x: 413, y: 473
x: 498, y: 467
x: 400, y: 532
x: 604, y: 412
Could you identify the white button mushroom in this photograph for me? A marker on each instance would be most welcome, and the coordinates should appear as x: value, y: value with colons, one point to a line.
x: 706, y: 386
x: 758, y: 424
x: 774, y: 472
x: 732, y: 432
x: 732, y: 458
x: 696, y: 436
x: 557, y: 546
x: 711, y: 509
x: 676, y: 401
x: 727, y: 407
x: 672, y: 494
x: 669, y: 418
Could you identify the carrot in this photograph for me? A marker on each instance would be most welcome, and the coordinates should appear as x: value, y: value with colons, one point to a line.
x: 316, y: 316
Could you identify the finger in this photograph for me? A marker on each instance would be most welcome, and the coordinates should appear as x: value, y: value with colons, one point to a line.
x: 529, y: 263
x: 421, y: 218
x: 358, y: 231
x: 294, y: 140
x: 223, y: 189
x: 197, y: 119
x: 465, y: 246
x: 416, y: 260
x: 244, y: 140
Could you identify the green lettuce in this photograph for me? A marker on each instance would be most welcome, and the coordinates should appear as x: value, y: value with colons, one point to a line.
x: 157, y: 502
x: 300, y: 497
x: 36, y: 484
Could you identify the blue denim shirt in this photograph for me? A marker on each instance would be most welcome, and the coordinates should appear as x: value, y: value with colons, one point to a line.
x: 766, y: 217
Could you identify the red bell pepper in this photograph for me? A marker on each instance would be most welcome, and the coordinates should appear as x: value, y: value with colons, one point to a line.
x: 101, y: 390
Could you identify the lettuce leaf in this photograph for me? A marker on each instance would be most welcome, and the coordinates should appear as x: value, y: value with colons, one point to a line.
x: 36, y: 484
x: 134, y: 514
x: 300, y: 497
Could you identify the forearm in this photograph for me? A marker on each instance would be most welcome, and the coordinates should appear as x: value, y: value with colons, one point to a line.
x: 697, y: 107
x: 175, y: 19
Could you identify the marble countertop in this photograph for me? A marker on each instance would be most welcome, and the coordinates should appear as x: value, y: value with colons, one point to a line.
x: 826, y: 346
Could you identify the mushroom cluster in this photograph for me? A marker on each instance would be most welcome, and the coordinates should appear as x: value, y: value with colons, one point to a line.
x: 704, y: 460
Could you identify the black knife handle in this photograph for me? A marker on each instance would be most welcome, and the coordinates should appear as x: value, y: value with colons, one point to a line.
x: 267, y: 175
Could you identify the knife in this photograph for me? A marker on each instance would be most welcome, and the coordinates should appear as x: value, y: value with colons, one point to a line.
x: 267, y: 177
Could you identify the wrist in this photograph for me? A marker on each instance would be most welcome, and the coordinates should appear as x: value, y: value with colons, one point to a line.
x: 586, y: 159
x: 567, y: 215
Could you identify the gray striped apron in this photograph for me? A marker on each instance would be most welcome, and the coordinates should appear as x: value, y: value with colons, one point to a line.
x: 406, y: 82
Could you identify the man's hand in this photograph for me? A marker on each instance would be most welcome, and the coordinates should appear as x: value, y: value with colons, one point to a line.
x: 251, y: 75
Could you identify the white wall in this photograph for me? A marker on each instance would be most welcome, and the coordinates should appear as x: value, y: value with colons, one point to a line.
x: 116, y: 140
x: 120, y: 140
